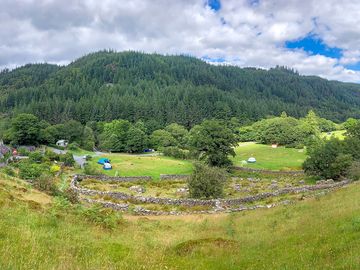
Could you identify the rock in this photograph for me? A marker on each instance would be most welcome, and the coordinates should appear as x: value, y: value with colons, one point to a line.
x: 218, y: 206
x: 138, y: 189
x: 273, y: 186
x: 320, y: 182
x: 182, y: 190
x: 237, y: 187
x: 288, y: 185
x: 329, y: 181
x: 302, y: 182
x: 273, y: 182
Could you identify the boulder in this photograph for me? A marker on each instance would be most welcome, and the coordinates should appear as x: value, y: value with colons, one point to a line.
x: 138, y: 189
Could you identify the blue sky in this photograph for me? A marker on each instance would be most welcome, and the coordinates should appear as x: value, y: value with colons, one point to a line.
x: 314, y: 37
x: 314, y: 45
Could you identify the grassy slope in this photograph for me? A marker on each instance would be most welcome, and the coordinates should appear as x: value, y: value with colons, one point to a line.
x: 132, y: 165
x: 280, y: 158
x: 321, y: 233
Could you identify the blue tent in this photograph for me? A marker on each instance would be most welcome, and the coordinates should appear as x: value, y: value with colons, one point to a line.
x: 102, y: 161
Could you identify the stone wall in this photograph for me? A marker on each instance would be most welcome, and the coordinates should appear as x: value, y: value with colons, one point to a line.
x: 197, y: 202
x: 174, y: 176
x: 300, y: 172
x: 115, y: 178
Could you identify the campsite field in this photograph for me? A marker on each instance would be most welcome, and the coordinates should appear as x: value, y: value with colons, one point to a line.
x: 318, y: 233
x: 143, y: 165
x: 340, y: 134
x: 269, y: 158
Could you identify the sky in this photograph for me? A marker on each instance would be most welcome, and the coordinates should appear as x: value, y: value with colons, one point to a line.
x: 315, y: 37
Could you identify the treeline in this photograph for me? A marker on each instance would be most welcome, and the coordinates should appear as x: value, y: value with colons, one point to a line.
x: 161, y: 90
x: 334, y: 158
x: 212, y: 140
x: 287, y: 131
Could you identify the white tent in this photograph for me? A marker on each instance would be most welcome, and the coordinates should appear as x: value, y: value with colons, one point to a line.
x: 251, y: 160
x: 107, y: 166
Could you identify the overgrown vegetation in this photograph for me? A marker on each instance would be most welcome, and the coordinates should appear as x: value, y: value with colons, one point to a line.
x: 207, y: 182
x: 335, y: 158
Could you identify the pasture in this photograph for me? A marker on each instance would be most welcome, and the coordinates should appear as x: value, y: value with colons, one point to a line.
x: 269, y: 158
x: 143, y: 165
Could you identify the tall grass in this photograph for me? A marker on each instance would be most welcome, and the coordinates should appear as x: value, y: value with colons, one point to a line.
x: 321, y: 233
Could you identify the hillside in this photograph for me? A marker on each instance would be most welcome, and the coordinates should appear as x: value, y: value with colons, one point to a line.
x: 164, y: 89
x: 318, y: 233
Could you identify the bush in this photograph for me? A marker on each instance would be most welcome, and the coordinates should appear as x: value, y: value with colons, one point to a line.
x: 206, y: 182
x: 104, y: 217
x: 328, y: 159
x: 36, y: 157
x: 73, y: 146
x: 70, y: 195
x: 354, y: 171
x: 175, y: 152
x: 23, y: 151
x: 68, y: 159
x: 47, y: 184
x: 30, y: 171
x: 54, y: 169
x: 91, y: 170
x: 9, y: 171
x: 52, y: 156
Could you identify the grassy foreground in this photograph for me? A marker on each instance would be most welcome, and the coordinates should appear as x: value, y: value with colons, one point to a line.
x: 268, y: 158
x: 319, y: 233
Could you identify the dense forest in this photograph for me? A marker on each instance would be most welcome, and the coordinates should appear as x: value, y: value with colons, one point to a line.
x: 159, y: 90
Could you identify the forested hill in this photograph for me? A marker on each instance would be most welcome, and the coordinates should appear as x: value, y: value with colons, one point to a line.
x: 164, y: 89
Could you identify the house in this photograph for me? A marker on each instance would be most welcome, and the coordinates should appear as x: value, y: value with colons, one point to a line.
x: 62, y: 143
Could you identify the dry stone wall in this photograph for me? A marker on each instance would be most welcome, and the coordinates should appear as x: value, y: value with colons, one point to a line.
x: 245, y: 169
x: 196, y: 202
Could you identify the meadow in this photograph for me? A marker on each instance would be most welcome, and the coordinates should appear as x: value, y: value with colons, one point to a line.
x: 269, y: 158
x: 340, y: 134
x: 317, y: 233
x: 143, y: 165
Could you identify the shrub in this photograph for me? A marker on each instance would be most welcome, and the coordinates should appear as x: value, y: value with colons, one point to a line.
x: 47, y: 184
x: 175, y: 152
x: 70, y: 195
x: 9, y: 171
x: 91, y: 170
x: 104, y: 217
x: 23, y: 151
x: 29, y: 171
x: 52, y: 156
x: 36, y: 157
x: 73, y: 146
x: 54, y: 169
x: 68, y: 159
x: 206, y: 182
x: 354, y: 171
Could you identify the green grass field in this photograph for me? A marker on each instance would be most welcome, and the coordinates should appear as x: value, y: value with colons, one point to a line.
x: 319, y: 233
x: 280, y: 158
x: 133, y: 165
x: 340, y: 134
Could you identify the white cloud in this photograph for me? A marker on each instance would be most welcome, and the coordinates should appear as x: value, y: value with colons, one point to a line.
x: 253, y: 35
